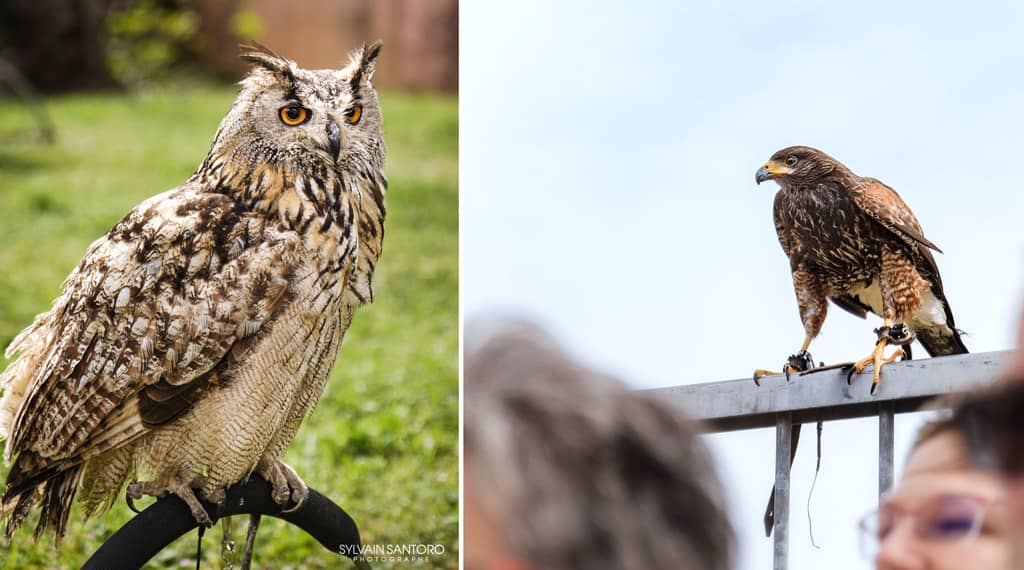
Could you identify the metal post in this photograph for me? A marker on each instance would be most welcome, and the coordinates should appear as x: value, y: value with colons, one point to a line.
x: 886, y: 421
x: 783, y: 453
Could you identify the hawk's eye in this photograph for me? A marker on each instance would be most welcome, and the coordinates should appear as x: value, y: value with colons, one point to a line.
x: 791, y: 160
x: 293, y: 115
x: 353, y: 115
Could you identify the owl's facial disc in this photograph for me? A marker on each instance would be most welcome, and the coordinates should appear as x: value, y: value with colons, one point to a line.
x: 302, y: 124
x: 309, y: 118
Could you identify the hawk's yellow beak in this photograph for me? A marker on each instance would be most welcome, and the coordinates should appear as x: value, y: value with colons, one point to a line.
x: 771, y: 169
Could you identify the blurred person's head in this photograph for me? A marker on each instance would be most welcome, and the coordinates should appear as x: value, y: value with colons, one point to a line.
x: 993, y: 425
x: 944, y: 513
x: 565, y: 468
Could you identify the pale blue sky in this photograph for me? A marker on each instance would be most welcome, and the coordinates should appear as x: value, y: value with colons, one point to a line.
x: 608, y: 157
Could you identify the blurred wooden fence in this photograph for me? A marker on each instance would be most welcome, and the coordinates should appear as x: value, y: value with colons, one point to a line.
x: 421, y: 46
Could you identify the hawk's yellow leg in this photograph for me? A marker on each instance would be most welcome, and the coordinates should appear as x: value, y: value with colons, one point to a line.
x: 877, y: 358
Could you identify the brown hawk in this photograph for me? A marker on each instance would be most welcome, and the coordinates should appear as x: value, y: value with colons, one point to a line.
x: 852, y: 240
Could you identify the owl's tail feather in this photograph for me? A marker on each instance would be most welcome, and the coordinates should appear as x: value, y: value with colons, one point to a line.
x: 54, y: 487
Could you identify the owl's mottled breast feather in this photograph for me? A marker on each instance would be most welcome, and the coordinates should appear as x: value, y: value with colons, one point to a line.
x: 147, y: 319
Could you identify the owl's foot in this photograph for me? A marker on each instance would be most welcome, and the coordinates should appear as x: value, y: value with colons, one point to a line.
x: 285, y: 483
x: 179, y: 487
x: 250, y: 541
x: 898, y: 334
x: 798, y: 362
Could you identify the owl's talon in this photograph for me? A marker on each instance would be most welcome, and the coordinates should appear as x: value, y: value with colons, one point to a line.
x: 130, y: 500
x: 216, y: 496
x: 180, y: 487
x: 286, y: 485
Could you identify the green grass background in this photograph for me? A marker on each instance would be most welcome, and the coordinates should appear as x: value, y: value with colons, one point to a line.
x: 383, y: 441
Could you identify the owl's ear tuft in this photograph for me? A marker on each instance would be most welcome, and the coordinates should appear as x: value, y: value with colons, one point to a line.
x: 363, y: 63
x: 265, y: 57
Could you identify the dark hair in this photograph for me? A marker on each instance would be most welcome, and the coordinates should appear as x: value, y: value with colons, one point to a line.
x: 955, y: 416
x: 581, y: 471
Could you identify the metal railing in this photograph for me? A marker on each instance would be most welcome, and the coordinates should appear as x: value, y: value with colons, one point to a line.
x: 823, y: 395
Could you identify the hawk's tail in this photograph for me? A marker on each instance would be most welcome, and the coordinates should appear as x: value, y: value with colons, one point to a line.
x: 941, y: 341
x: 54, y: 488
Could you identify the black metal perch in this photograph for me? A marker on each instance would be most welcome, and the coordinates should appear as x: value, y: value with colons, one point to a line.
x: 169, y: 518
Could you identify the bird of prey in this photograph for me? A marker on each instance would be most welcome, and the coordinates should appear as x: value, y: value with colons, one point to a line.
x: 852, y: 240
x: 194, y: 337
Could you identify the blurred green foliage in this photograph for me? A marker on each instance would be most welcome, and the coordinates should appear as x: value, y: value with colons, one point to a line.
x: 383, y: 442
x: 147, y: 38
x: 246, y: 24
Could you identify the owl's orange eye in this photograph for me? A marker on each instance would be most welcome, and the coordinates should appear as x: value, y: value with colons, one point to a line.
x: 353, y: 115
x: 293, y: 115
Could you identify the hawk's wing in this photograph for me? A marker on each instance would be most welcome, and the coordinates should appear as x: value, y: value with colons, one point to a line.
x: 886, y: 207
x: 146, y: 317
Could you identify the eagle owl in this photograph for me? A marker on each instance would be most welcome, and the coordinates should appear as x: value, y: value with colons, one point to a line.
x: 192, y: 339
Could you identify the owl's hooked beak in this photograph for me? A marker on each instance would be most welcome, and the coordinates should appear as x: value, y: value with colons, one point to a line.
x: 334, y: 138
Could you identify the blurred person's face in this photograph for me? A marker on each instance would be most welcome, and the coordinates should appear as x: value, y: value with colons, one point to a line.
x: 944, y: 514
x: 1015, y: 504
x: 484, y: 545
x: 1009, y: 423
x: 1015, y: 482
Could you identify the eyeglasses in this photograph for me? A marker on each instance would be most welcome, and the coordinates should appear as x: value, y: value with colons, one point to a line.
x: 947, y: 519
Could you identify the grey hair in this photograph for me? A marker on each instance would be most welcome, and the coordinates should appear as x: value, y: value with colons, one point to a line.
x: 582, y: 472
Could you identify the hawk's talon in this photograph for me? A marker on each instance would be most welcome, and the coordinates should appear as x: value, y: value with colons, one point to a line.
x: 877, y: 358
x: 761, y: 373
x: 907, y: 355
x: 851, y: 369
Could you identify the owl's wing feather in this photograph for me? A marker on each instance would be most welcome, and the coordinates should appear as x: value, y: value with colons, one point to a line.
x: 146, y: 318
